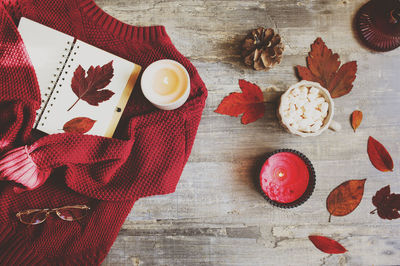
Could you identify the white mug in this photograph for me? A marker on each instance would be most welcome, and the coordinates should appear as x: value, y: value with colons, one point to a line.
x: 328, y: 121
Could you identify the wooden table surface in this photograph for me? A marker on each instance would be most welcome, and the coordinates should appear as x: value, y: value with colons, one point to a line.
x: 216, y: 216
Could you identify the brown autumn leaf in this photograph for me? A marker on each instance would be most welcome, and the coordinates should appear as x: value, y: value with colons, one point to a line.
x: 90, y: 88
x: 379, y: 156
x: 79, y: 125
x: 387, y: 204
x: 323, y: 67
x: 356, y: 118
x: 345, y: 198
x: 327, y: 245
x: 250, y: 103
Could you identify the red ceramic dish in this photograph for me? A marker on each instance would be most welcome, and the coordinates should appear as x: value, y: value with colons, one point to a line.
x: 287, y: 178
x: 378, y: 24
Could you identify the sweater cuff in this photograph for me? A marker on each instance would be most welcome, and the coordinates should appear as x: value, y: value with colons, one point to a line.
x: 18, y: 166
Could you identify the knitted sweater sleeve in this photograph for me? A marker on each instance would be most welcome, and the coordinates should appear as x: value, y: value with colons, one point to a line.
x: 17, y: 106
x: 147, y: 160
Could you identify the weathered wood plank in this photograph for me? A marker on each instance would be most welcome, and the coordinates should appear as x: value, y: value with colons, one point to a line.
x: 216, y: 216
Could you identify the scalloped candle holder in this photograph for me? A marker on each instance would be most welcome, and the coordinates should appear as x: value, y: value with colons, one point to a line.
x: 378, y: 24
x: 287, y: 178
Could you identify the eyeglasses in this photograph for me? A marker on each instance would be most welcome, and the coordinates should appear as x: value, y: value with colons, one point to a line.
x: 67, y: 213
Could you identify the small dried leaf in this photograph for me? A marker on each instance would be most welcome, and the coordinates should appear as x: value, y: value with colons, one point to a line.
x: 379, y: 156
x: 345, y: 198
x: 356, y: 118
x: 387, y: 204
x: 327, y: 245
x: 250, y: 103
x: 79, y: 125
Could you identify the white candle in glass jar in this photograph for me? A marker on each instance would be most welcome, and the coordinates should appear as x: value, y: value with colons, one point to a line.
x: 166, y: 84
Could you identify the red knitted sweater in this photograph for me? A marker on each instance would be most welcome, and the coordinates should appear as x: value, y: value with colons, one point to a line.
x: 145, y: 157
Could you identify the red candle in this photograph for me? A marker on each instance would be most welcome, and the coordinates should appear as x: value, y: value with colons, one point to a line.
x: 284, y: 177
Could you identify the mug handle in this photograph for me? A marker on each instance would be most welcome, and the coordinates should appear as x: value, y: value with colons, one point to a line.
x: 335, y: 126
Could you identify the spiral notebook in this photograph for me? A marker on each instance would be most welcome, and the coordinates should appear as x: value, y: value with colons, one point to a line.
x: 83, y: 88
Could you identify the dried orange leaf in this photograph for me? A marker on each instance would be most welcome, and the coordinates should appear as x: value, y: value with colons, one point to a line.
x: 323, y: 67
x: 379, y: 156
x: 345, y: 198
x: 327, y: 245
x: 79, y: 125
x: 356, y: 118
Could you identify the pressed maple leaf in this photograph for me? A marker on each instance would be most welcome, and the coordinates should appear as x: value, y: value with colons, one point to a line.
x: 250, y: 103
x: 327, y: 245
x: 356, y: 118
x: 345, y: 198
x: 90, y: 88
x: 387, y: 204
x: 79, y: 125
x: 379, y: 156
x: 323, y: 67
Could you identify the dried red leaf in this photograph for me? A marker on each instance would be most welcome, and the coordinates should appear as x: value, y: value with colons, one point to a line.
x: 90, y: 88
x: 327, y: 245
x: 323, y: 67
x: 250, y: 103
x: 379, y: 156
x: 345, y: 198
x: 79, y: 125
x: 356, y: 118
x: 387, y: 204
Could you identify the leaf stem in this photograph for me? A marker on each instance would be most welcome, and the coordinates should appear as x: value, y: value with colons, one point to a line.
x: 73, y: 104
x: 373, y: 212
x: 330, y: 216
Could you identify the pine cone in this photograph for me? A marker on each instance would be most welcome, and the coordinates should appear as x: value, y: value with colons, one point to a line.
x: 262, y: 49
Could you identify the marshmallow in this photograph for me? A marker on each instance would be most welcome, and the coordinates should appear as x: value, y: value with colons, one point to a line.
x: 300, y: 102
x: 313, y: 91
x: 311, y: 97
x: 319, y: 100
x: 317, y: 126
x: 324, y: 107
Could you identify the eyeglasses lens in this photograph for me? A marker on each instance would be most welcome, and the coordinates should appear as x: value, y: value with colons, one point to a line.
x: 36, y: 217
x: 72, y: 214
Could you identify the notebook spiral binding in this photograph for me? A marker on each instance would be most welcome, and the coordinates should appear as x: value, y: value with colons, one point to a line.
x: 54, y: 86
